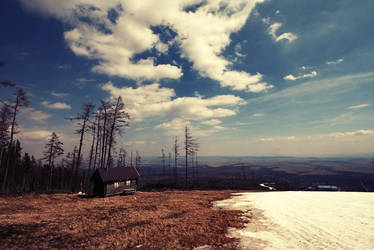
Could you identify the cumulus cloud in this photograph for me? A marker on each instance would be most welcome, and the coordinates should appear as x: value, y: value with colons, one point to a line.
x: 273, y: 28
x: 202, y: 35
x: 56, y: 105
x: 35, y: 115
x: 152, y: 100
x: 294, y: 78
x: 38, y: 134
x: 340, y: 60
x: 177, y: 126
x: 361, y: 106
x: 211, y: 122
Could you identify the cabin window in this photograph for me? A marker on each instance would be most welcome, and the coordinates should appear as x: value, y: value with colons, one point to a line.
x: 116, y: 184
x: 128, y: 182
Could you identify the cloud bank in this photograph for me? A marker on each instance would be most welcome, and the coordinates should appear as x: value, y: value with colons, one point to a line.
x: 118, y: 34
x: 152, y: 100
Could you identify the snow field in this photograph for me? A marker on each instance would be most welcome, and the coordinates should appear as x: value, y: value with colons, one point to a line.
x: 305, y: 220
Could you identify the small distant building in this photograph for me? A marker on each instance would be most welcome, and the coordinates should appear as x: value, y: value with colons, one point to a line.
x: 113, y: 181
x: 327, y: 188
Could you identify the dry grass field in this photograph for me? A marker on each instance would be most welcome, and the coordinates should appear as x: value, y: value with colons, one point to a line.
x: 146, y: 220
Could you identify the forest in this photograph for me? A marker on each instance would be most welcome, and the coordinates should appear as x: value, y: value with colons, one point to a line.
x: 60, y: 171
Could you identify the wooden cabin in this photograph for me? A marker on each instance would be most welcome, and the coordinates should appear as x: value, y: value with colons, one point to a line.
x: 112, y: 181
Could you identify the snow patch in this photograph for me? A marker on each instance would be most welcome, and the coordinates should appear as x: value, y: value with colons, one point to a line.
x: 304, y: 220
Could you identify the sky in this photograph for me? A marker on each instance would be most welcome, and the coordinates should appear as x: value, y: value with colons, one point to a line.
x: 249, y: 77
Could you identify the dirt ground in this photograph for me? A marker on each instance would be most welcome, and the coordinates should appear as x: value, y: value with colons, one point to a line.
x: 146, y: 220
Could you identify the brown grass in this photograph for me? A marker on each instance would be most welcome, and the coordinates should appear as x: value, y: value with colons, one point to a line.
x: 147, y: 220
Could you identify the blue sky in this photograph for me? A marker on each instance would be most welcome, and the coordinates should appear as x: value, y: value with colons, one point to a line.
x: 249, y: 77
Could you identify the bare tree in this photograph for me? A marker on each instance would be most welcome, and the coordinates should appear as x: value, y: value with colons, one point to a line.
x: 190, y: 146
x: 119, y: 119
x: 92, y: 130
x: 20, y: 101
x: 176, y: 155
x: 131, y: 159
x: 104, y: 117
x: 84, y: 119
x: 5, y: 115
x: 138, y: 160
x: 53, y: 150
x: 98, y: 137
x: 169, y: 163
x: 163, y: 156
x: 121, y: 162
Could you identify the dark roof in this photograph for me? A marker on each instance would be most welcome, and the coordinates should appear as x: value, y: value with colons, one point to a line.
x: 116, y: 174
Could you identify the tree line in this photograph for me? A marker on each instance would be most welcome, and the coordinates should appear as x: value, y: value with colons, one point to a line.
x: 57, y: 170
x: 190, y: 148
x: 100, y: 126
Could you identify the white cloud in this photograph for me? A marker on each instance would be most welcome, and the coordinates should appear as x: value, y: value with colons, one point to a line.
x: 306, y: 67
x: 202, y: 36
x: 177, y: 126
x: 294, y: 78
x: 139, y: 129
x: 340, y: 60
x: 272, y: 30
x: 337, y: 143
x: 288, y: 36
x: 266, y: 20
x: 152, y: 100
x: 330, y: 136
x: 59, y: 94
x: 56, y: 105
x: 211, y: 122
x: 279, y: 138
x: 38, y: 134
x: 361, y: 132
x: 361, y: 106
x: 35, y: 115
x: 316, y: 87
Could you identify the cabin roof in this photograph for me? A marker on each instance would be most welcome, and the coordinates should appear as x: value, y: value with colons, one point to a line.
x: 116, y: 174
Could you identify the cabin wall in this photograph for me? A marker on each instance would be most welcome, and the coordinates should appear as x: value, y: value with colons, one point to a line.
x: 120, y: 186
